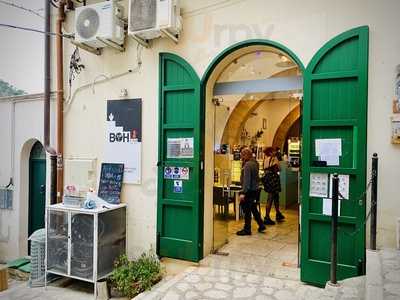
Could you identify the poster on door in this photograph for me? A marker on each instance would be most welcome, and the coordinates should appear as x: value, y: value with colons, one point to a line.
x: 124, y: 137
x: 180, y: 148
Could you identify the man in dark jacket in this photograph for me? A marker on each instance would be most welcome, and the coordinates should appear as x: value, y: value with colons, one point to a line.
x: 248, y: 198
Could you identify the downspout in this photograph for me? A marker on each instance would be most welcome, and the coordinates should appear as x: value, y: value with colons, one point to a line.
x: 60, y: 100
x: 46, y: 109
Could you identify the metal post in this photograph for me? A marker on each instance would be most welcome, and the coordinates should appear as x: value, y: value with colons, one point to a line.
x: 335, y: 199
x: 374, y: 200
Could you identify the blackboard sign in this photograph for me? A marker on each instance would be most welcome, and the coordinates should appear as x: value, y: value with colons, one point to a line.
x: 111, y: 182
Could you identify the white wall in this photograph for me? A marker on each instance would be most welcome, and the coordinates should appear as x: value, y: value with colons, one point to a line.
x: 28, y: 130
x: 302, y: 26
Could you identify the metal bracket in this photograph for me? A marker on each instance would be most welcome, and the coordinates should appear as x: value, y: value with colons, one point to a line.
x: 170, y: 36
x: 95, y: 51
x: 111, y: 43
x: 141, y: 41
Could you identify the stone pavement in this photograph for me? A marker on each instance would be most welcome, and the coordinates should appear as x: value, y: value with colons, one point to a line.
x: 210, y: 283
x: 273, y: 253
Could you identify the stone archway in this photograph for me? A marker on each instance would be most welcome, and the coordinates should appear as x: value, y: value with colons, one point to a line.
x: 284, y: 127
x: 243, y: 110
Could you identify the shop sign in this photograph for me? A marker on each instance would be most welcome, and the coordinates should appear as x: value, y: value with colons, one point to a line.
x: 124, y: 137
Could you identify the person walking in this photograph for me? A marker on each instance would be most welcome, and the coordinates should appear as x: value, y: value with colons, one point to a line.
x: 248, y: 198
x: 272, y: 185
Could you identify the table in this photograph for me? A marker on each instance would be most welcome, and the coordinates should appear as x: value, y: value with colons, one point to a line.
x: 235, y: 189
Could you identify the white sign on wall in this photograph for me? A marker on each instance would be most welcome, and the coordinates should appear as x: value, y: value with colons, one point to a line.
x: 124, y: 137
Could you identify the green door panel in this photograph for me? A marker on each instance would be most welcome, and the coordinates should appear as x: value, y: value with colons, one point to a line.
x: 335, y: 106
x: 178, y: 213
x: 37, y: 194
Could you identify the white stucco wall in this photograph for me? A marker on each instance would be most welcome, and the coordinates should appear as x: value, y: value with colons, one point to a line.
x: 302, y: 26
x: 28, y: 129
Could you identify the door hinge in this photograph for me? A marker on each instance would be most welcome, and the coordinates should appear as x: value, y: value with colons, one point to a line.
x: 201, y: 165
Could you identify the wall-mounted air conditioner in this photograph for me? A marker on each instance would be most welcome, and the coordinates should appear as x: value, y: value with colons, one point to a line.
x: 150, y: 19
x: 98, y: 25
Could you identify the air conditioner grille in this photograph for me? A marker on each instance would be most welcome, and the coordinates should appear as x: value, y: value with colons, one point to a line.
x: 143, y: 14
x: 88, y: 23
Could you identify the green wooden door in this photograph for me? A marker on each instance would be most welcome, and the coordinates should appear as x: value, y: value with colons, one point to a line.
x: 335, y: 106
x: 179, y: 167
x: 37, y: 188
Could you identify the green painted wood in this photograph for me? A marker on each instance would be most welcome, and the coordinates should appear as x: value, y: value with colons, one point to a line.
x: 335, y: 106
x: 37, y: 190
x: 179, y: 232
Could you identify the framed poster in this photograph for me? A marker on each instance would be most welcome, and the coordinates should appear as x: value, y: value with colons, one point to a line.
x: 396, y: 129
x: 124, y: 137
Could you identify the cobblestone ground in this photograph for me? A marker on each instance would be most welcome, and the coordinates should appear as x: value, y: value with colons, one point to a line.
x: 390, y: 260
x: 209, y: 283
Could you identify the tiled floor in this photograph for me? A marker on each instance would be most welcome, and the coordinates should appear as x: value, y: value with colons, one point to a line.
x: 273, y: 253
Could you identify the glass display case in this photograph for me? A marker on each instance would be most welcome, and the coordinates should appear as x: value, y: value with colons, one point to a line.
x: 84, y: 243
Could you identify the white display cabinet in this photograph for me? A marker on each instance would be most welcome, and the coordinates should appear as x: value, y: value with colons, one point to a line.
x: 84, y: 243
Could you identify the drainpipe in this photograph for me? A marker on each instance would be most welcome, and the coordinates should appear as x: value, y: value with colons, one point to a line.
x: 46, y: 108
x: 60, y: 100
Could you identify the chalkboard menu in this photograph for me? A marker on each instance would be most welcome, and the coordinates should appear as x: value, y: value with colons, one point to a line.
x: 111, y: 182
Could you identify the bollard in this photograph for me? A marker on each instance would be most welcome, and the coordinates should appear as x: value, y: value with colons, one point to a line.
x: 334, y: 223
x: 374, y: 200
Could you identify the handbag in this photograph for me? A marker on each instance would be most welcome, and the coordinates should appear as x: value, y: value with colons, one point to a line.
x: 271, y: 180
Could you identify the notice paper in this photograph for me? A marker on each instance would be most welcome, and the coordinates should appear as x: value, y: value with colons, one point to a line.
x: 319, y: 185
x: 331, y: 160
x: 344, y: 186
x: 328, y: 147
x: 327, y: 207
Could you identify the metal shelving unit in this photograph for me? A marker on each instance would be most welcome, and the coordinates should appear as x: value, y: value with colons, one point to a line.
x: 84, y: 243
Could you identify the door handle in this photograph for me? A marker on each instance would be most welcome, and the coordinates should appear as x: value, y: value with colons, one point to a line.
x: 42, y: 189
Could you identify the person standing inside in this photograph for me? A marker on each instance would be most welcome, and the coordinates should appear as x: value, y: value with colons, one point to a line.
x: 248, y: 198
x: 272, y: 185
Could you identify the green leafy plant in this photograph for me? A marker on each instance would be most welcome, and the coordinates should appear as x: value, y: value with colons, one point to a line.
x: 134, y: 277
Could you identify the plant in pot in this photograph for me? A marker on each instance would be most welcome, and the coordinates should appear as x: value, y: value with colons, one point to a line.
x: 132, y: 277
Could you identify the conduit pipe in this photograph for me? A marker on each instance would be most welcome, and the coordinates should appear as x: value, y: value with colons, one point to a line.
x: 60, y: 99
x: 46, y: 108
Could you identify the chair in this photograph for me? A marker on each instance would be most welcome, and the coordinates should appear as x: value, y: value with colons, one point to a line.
x: 220, y: 200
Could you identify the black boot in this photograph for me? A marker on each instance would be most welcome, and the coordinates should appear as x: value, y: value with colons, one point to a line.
x: 279, y: 217
x: 268, y: 221
x: 262, y: 228
x: 243, y: 232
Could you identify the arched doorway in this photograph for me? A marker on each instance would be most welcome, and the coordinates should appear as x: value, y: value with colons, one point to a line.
x: 334, y: 107
x: 37, y: 188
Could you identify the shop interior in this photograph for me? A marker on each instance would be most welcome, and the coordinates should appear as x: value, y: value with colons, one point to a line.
x: 256, y: 103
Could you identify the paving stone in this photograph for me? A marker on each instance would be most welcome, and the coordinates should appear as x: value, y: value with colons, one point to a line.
x: 392, y: 288
x: 203, y: 286
x: 191, y: 295
x: 171, y: 295
x: 251, y: 278
x: 224, y: 279
x: 267, y: 290
x: 393, y: 276
x: 273, y: 282
x: 264, y: 297
x: 244, y: 292
x: 222, y: 286
x: 183, y: 286
x: 215, y: 294
x: 192, y: 278
x: 284, y: 295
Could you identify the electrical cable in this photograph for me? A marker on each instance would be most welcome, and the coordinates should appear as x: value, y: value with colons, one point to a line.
x: 67, y: 36
x: 21, y: 7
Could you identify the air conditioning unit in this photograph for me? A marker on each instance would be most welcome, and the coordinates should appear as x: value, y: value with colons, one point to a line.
x: 98, y: 25
x: 150, y: 19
